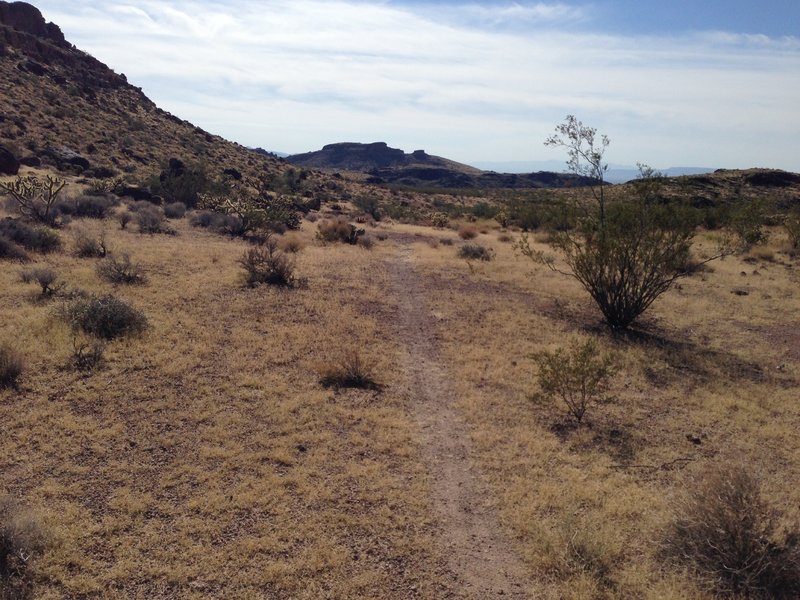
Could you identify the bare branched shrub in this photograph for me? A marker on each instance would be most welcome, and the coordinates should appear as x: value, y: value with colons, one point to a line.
x: 87, y: 354
x: 21, y: 543
x: 349, y: 371
x: 266, y: 263
x: 46, y: 278
x: 106, y: 317
x: 88, y: 245
x: 35, y: 198
x: 474, y: 252
x: 578, y: 376
x: 729, y: 536
x: 120, y: 269
x: 124, y: 217
x: 11, y: 366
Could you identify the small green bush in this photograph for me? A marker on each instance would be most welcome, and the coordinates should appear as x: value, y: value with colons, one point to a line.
x: 578, y: 376
x: 474, y: 252
x: 105, y: 317
x: 11, y: 366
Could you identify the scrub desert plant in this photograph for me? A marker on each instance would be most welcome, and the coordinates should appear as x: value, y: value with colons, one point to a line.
x: 726, y: 533
x: 349, y: 371
x: 105, y: 317
x: 21, y: 542
x: 47, y: 279
x: 474, y: 252
x: 578, y: 376
x: 11, y: 366
x: 266, y: 263
x: 120, y: 269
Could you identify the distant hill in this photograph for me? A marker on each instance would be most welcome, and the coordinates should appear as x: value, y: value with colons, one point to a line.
x: 64, y: 108
x: 419, y: 169
x: 615, y: 173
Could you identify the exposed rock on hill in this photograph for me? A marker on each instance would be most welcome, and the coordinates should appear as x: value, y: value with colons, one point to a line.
x: 63, y: 108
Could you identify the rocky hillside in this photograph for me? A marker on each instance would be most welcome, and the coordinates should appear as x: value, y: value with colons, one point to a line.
x: 419, y: 169
x: 60, y: 106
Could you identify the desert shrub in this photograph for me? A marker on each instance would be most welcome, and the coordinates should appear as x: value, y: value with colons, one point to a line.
x: 440, y: 219
x: 365, y: 241
x: 201, y: 218
x: 35, y: 239
x: 88, y: 245
x: 578, y: 376
x: 124, y: 217
x: 21, y: 542
x: 467, y: 232
x: 338, y: 230
x: 10, y: 251
x: 105, y: 317
x: 120, y: 269
x: 11, y: 366
x: 151, y: 220
x: 792, y: 225
x: 175, y: 210
x: 291, y: 243
x: 46, y: 278
x: 474, y: 252
x: 257, y: 208
x: 88, y: 206
x: 180, y: 182
x: 87, y: 354
x: 266, y: 263
x: 349, y: 371
x: 747, y: 222
x: 369, y: 205
x: 726, y: 533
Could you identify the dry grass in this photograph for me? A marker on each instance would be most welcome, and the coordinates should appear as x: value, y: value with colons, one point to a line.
x: 711, y: 377
x: 204, y: 460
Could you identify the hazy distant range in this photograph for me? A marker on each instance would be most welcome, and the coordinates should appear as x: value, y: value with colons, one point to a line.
x: 615, y: 173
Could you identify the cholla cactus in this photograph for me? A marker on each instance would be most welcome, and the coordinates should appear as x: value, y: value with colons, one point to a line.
x: 439, y: 219
x: 35, y: 197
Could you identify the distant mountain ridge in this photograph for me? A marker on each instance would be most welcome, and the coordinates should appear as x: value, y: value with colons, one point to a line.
x: 419, y: 169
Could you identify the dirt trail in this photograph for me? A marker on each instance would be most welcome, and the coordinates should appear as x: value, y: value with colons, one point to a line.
x: 478, y: 551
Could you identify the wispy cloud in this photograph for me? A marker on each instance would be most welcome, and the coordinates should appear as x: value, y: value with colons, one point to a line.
x: 462, y: 80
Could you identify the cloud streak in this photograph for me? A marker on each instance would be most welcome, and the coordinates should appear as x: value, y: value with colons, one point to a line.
x: 471, y: 82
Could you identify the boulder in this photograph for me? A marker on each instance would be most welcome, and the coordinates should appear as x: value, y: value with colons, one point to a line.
x: 31, y: 161
x: 9, y: 165
x: 67, y: 159
x: 139, y: 193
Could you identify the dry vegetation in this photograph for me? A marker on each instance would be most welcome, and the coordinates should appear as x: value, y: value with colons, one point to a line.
x: 202, y: 457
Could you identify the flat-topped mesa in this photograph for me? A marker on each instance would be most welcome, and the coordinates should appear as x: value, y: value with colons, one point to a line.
x: 26, y: 18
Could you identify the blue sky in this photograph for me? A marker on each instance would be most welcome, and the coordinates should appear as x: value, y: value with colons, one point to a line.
x: 672, y: 83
